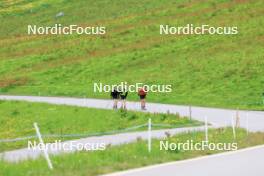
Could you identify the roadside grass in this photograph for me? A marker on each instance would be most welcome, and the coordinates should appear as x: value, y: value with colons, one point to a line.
x: 128, y: 156
x: 204, y: 70
x: 17, y: 118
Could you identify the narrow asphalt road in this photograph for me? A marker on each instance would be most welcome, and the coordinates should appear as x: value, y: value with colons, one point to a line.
x: 239, y: 163
x: 245, y: 162
x: 117, y: 139
x: 253, y: 120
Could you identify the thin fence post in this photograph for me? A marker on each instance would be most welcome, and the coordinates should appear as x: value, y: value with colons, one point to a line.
x: 46, y: 155
x: 190, y: 112
x: 247, y: 127
x: 237, y: 118
x: 234, y: 128
x: 206, y: 129
x: 149, y: 135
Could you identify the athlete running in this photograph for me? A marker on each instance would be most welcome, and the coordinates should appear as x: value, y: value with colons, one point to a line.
x: 142, y: 93
x: 115, y: 96
x: 123, y: 96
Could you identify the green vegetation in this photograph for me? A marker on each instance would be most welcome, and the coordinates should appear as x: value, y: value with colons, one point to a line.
x: 206, y: 70
x: 17, y: 118
x: 116, y: 158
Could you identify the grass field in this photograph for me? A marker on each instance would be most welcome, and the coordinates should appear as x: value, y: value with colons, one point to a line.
x: 205, y: 70
x: 17, y: 118
x: 127, y: 156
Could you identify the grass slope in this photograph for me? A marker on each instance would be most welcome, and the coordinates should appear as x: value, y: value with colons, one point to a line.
x: 221, y: 71
x: 17, y: 118
x: 127, y: 156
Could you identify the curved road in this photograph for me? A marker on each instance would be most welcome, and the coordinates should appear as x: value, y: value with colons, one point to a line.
x: 252, y: 120
x: 245, y: 162
x: 239, y: 163
x: 116, y: 139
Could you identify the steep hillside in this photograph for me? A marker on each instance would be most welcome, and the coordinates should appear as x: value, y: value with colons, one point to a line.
x: 206, y: 70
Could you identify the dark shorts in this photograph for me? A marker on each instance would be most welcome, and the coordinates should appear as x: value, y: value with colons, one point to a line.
x: 115, y: 97
x: 142, y: 97
x: 122, y: 97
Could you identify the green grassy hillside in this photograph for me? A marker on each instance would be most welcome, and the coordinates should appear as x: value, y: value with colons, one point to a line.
x: 206, y: 70
x: 17, y: 118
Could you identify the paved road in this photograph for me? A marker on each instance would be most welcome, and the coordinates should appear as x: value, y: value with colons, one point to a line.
x: 117, y: 139
x: 246, y: 162
x: 217, y: 117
